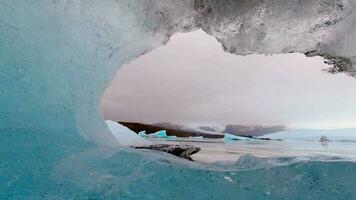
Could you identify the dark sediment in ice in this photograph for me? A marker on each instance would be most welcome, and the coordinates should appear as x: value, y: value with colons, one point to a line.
x: 183, y: 151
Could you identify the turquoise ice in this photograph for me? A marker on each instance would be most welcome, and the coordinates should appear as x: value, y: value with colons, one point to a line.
x: 142, y: 134
x: 230, y: 137
x: 58, y: 56
x: 159, y: 134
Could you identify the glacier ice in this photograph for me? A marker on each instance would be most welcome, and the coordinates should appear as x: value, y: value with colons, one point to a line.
x: 58, y: 56
x: 230, y: 137
x: 125, y: 136
x: 142, y: 134
x: 159, y: 134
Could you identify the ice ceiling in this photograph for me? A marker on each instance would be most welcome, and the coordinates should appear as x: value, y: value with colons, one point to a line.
x: 58, y: 56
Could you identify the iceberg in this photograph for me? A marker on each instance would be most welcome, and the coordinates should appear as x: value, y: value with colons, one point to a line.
x: 124, y: 135
x: 142, y: 134
x: 230, y: 137
x: 159, y: 134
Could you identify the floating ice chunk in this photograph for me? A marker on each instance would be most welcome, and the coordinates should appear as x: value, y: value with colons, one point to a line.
x: 159, y: 134
x: 196, y: 137
x: 228, y: 178
x: 230, y: 137
x: 143, y: 134
x: 125, y: 136
x: 173, y: 137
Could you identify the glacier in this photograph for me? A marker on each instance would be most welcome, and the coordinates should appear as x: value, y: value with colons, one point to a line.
x: 58, y: 56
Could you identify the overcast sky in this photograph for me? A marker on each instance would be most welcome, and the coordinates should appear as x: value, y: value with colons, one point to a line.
x: 193, y: 81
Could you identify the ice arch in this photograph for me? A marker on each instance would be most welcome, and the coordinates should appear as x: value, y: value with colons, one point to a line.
x: 287, y: 89
x: 58, y: 56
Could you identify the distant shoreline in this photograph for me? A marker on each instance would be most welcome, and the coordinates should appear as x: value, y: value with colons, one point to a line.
x: 206, y: 132
x: 171, y: 131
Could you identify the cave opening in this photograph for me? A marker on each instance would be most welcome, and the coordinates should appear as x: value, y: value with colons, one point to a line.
x: 192, y: 81
x: 192, y: 97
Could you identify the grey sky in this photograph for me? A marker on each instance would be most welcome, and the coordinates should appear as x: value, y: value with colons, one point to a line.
x: 192, y: 81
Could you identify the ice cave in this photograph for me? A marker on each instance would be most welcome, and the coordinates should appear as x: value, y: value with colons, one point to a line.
x: 57, y: 57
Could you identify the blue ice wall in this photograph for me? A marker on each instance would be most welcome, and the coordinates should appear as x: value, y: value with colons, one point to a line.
x: 57, y: 57
x: 50, y: 81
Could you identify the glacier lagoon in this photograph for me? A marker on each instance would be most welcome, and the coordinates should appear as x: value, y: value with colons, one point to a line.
x: 57, y: 57
x: 38, y: 167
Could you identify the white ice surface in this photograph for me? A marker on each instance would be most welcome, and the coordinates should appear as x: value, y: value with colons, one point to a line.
x: 125, y: 136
